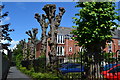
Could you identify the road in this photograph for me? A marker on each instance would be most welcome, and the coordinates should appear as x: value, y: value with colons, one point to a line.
x: 15, y: 74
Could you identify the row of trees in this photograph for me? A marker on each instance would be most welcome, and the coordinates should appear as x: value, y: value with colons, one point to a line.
x: 49, y: 20
x: 28, y: 48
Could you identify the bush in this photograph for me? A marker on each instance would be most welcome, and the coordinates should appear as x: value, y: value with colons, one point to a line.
x: 27, y: 64
x: 18, y: 60
x: 39, y: 76
x: 44, y: 76
x: 39, y: 64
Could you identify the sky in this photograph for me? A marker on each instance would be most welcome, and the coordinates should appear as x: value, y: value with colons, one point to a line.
x: 21, y: 17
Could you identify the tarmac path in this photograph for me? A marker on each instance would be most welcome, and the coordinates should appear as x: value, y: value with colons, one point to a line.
x: 15, y: 74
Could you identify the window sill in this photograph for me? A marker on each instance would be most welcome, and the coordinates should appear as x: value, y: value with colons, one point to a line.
x: 60, y: 55
x: 60, y: 43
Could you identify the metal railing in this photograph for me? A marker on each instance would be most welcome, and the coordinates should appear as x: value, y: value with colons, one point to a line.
x: 106, y: 67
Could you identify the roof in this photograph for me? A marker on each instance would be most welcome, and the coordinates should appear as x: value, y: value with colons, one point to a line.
x: 64, y: 31
x: 116, y: 34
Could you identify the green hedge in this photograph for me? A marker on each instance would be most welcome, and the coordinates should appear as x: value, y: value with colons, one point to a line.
x: 39, y: 76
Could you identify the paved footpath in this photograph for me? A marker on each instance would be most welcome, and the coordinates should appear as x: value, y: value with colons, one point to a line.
x: 15, y: 74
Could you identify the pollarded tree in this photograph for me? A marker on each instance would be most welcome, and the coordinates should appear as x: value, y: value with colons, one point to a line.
x: 32, y: 40
x: 44, y: 25
x: 53, y: 22
x: 24, y: 47
x: 4, y: 30
x: 95, y: 27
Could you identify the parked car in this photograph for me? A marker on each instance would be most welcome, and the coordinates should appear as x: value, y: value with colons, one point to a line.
x: 112, y: 73
x: 108, y: 66
x: 66, y: 64
x: 71, y: 67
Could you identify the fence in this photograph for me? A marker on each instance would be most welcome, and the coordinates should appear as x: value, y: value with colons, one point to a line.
x: 107, y: 66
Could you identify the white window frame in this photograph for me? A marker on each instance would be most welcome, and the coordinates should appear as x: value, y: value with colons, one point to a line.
x: 60, y: 50
x: 110, y: 44
x: 70, y: 49
x: 118, y: 42
x: 80, y: 49
x: 60, y: 39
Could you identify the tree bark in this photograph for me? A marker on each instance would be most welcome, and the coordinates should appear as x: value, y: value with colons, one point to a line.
x: 54, y: 23
x: 94, y: 70
x: 44, y: 25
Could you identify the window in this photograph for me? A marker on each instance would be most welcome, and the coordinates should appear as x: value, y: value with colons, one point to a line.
x: 60, y: 39
x: 70, y: 37
x: 80, y: 49
x: 70, y: 49
x: 60, y: 50
x: 110, y: 47
x: 119, y: 42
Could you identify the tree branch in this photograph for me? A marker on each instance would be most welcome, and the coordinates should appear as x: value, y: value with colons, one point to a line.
x: 59, y: 16
x: 50, y: 11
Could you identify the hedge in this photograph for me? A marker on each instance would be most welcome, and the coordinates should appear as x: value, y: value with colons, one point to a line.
x: 39, y: 76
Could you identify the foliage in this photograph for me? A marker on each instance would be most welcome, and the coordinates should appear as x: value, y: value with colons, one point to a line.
x: 39, y: 65
x: 17, y: 51
x: 5, y: 27
x: 108, y: 57
x: 95, y: 25
x: 17, y: 55
x: 18, y: 60
x: 42, y: 56
x: 39, y: 76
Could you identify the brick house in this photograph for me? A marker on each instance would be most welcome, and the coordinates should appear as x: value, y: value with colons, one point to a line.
x: 66, y: 46
x: 115, y: 45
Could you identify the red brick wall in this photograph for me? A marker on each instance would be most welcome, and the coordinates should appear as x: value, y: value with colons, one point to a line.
x: 71, y: 43
x: 38, y: 46
x: 68, y: 43
x: 114, y: 46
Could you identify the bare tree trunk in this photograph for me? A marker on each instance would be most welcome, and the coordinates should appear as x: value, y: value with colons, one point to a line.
x: 94, y: 55
x: 25, y: 51
x: 44, y: 25
x: 43, y: 41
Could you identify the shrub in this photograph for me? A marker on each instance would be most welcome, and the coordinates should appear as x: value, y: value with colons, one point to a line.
x: 18, y: 60
x: 45, y: 76
x: 40, y: 64
x: 39, y: 76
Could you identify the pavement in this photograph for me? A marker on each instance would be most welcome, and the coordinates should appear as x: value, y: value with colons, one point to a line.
x: 15, y: 74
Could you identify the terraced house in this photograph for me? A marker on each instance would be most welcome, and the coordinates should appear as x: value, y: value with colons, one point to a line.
x: 66, y: 46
